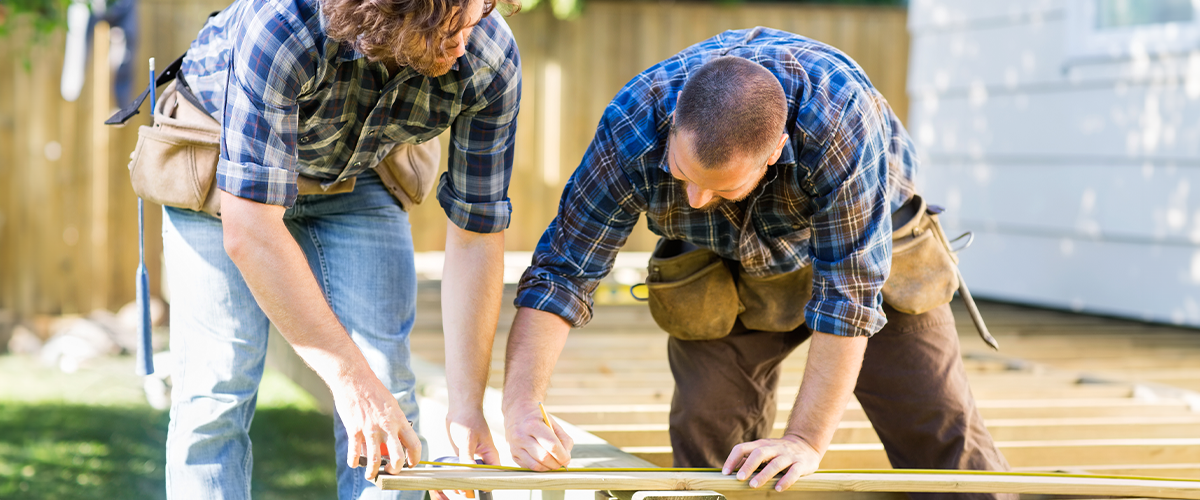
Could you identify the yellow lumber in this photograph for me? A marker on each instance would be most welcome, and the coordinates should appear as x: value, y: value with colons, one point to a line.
x: 425, y: 479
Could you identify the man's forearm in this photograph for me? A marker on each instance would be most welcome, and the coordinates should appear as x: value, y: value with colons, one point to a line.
x: 278, y: 275
x: 829, y: 379
x: 534, y: 344
x: 472, y: 283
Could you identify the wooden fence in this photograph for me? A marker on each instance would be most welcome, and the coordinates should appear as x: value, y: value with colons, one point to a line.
x: 68, y: 222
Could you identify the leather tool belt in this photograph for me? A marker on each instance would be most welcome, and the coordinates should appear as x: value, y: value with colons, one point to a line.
x: 175, y: 161
x: 694, y: 294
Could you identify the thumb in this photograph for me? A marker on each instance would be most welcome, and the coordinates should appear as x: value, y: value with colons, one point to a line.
x: 466, y: 452
x: 485, y: 448
x: 457, y: 437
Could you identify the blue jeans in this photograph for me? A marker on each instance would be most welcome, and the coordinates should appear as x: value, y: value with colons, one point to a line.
x: 359, y: 248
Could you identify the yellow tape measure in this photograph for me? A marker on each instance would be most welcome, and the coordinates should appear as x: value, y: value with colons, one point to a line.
x: 947, y: 472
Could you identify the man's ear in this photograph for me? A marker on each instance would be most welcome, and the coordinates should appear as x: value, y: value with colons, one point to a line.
x: 778, y: 149
x: 677, y: 94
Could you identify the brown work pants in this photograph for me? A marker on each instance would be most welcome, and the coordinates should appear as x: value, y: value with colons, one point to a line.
x: 912, y: 387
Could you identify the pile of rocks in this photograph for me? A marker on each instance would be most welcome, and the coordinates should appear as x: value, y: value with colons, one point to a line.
x: 70, y: 341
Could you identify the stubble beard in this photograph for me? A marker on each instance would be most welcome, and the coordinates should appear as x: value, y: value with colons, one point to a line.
x: 424, y: 60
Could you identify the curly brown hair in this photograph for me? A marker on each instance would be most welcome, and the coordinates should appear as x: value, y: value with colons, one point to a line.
x: 406, y: 31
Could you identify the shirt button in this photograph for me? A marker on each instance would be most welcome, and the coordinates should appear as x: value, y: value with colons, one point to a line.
x: 304, y: 140
x: 357, y: 164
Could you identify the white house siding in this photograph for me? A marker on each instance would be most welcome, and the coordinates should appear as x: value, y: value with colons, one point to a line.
x: 1077, y: 177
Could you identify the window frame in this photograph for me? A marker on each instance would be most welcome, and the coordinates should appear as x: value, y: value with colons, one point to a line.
x: 1085, y: 41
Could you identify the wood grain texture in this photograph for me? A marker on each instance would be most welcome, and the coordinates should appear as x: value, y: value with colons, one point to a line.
x: 1029, y: 394
x: 890, y: 482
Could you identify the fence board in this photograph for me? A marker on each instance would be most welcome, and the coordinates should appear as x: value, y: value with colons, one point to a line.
x: 46, y: 224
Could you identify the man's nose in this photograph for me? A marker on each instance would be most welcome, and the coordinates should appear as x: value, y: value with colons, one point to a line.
x: 457, y: 46
x: 697, y: 197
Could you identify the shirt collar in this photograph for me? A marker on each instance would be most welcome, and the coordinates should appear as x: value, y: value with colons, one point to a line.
x: 347, y: 52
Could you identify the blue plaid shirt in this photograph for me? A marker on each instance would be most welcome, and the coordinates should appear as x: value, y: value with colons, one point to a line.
x: 292, y: 101
x: 827, y: 200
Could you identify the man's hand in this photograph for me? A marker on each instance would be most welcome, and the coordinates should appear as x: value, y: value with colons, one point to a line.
x: 277, y: 273
x: 472, y: 284
x: 778, y: 454
x: 534, y: 343
x: 372, y: 417
x: 533, y: 444
x: 472, y: 440
x: 829, y: 376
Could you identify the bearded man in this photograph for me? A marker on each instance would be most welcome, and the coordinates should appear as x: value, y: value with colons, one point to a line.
x: 311, y: 97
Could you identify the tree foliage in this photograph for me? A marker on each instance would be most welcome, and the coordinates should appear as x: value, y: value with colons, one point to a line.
x: 45, y: 16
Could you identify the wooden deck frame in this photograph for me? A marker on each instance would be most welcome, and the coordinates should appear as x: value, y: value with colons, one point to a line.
x: 1091, y: 400
x: 424, y: 479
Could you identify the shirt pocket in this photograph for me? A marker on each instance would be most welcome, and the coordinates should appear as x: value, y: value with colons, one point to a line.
x: 320, y: 142
x: 778, y: 222
x: 410, y: 134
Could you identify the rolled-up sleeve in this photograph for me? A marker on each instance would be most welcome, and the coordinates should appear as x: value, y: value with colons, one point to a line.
x: 474, y: 190
x: 596, y: 213
x: 851, y: 240
x: 258, y: 139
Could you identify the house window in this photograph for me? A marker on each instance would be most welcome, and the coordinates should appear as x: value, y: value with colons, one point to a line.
x: 1119, y: 29
x: 1125, y: 13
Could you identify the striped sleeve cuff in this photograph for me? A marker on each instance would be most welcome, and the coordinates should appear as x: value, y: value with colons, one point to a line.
x: 479, y: 217
x: 269, y: 185
x: 542, y: 290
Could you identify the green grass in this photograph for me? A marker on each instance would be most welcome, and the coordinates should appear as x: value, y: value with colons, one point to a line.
x: 91, y: 435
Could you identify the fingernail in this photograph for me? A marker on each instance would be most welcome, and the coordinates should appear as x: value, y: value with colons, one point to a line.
x: 741, y: 476
x: 753, y: 484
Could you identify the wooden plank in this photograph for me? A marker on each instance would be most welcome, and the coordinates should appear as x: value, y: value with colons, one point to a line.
x: 1046, y: 453
x: 787, y: 394
x: 1052, y: 408
x: 101, y: 97
x: 8, y: 187
x: 1163, y: 470
x: 419, y: 479
x: 860, y: 431
x: 433, y: 394
x: 766, y: 493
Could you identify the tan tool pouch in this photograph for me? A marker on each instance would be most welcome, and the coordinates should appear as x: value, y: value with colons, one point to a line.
x: 175, y: 160
x: 691, y: 291
x: 693, y: 295
x: 410, y: 171
x: 774, y: 303
x: 924, y: 269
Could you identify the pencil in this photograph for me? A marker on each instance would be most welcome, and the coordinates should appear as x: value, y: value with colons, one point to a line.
x: 545, y: 418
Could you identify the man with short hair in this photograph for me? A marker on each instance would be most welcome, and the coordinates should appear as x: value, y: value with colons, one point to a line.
x: 774, y: 153
x: 318, y: 93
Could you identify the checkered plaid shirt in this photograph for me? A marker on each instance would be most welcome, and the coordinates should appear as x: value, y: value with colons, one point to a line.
x: 827, y: 200
x: 292, y: 101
